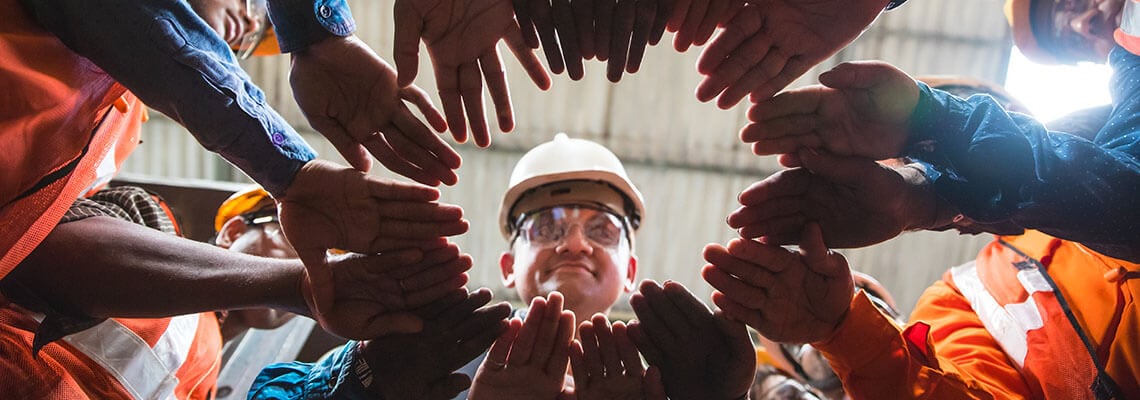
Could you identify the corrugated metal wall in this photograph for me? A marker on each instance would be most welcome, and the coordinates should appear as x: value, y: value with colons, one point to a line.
x: 684, y: 155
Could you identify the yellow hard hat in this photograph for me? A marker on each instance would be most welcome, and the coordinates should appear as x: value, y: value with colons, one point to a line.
x: 1019, y: 14
x: 251, y: 199
x: 567, y: 171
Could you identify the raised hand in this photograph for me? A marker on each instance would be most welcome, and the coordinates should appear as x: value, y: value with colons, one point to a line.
x: 328, y: 206
x: 462, y: 38
x: 862, y: 109
x: 787, y: 296
x: 770, y: 43
x: 376, y: 294
x: 606, y: 364
x: 421, y: 365
x: 350, y: 95
x: 528, y: 363
x: 856, y: 201
x: 700, y: 355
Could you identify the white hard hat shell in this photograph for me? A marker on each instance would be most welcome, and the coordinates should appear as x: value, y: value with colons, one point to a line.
x: 565, y: 159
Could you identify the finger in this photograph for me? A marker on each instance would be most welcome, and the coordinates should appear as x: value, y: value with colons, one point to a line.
x: 729, y: 70
x: 594, y: 367
x: 754, y: 275
x: 859, y: 75
x: 421, y: 157
x: 603, y: 21
x: 435, y: 309
x: 655, y: 328
x: 471, y: 89
x: 750, y: 296
x: 677, y: 19
x: 452, y: 101
x: 478, y: 332
x: 771, y: 66
x: 526, y: 57
x: 406, y: 41
x: 349, y: 148
x: 378, y: 145
x: 433, y: 255
x: 584, y: 24
x: 816, y: 254
x: 628, y: 352
x: 740, y: 313
x: 437, y: 151
x: 501, y: 349
x: 546, y: 341
x: 792, y: 69
x: 786, y: 183
x: 694, y: 310
x: 772, y: 258
x: 578, y: 364
x: 522, y: 15
x: 642, y: 25
x: 686, y: 35
x: 645, y: 345
x: 432, y: 293
x: 735, y: 331
x: 436, y: 275
x: 620, y: 32
x: 729, y: 43
x: 714, y: 16
x: 568, y: 37
x: 661, y: 15
x: 838, y: 169
x: 611, y: 358
x: 772, y: 208
x: 778, y: 231
x: 560, y: 357
x: 524, y: 345
x: 422, y: 101
x: 654, y: 388
x: 492, y: 66
x: 459, y: 311
x: 663, y: 308
x: 544, y: 22
x: 785, y: 135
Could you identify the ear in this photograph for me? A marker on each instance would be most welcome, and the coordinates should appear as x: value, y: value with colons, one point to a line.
x: 232, y: 230
x: 631, y: 275
x: 507, y: 269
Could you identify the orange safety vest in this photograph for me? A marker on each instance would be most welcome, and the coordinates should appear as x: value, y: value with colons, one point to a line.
x: 1064, y: 315
x: 61, y: 118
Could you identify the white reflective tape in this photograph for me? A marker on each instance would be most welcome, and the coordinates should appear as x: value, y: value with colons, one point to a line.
x: 1009, y: 325
x: 1033, y: 281
x: 146, y: 373
x: 1130, y: 18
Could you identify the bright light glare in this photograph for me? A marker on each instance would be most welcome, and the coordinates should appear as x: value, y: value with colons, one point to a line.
x: 1051, y: 91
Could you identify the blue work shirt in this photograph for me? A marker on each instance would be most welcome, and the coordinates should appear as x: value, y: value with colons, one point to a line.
x: 330, y: 377
x: 998, y: 167
x: 164, y: 53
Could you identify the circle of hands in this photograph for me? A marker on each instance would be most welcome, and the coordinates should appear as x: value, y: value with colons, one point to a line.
x: 405, y: 291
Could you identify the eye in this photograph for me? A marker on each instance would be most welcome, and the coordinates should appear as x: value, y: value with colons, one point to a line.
x: 603, y: 231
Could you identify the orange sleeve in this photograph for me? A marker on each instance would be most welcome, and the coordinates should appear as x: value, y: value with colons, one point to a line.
x: 876, y: 359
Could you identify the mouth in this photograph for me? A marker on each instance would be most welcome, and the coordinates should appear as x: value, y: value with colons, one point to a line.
x: 572, y: 267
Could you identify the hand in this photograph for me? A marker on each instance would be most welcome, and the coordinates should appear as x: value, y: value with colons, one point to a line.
x: 694, y: 21
x: 787, y: 296
x: 328, y: 206
x: 461, y: 38
x: 862, y: 109
x: 700, y: 355
x: 420, y: 365
x: 770, y: 43
x: 375, y: 294
x: 606, y: 364
x: 538, y: 352
x: 857, y: 202
x: 350, y: 95
x: 226, y: 17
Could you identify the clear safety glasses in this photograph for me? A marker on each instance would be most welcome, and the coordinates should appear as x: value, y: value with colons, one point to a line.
x: 266, y: 218
x: 550, y: 226
x: 257, y: 11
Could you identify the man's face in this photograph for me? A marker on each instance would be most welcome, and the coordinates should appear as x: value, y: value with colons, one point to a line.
x: 1079, y: 29
x: 584, y: 253
x: 256, y: 236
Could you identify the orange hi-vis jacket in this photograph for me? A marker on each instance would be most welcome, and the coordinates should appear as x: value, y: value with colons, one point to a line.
x: 64, y: 124
x: 61, y: 119
x: 1032, y: 317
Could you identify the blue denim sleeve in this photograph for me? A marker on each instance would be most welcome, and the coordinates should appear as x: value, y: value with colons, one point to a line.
x: 299, y: 23
x: 167, y: 56
x: 1007, y: 167
x: 329, y: 378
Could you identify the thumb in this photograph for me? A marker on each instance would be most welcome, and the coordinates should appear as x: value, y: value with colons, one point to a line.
x: 406, y: 41
x: 837, y: 169
x: 654, y: 388
x: 816, y: 255
x: 317, y: 285
x: 859, y: 75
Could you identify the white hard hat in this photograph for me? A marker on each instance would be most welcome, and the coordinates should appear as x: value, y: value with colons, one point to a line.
x: 569, y: 171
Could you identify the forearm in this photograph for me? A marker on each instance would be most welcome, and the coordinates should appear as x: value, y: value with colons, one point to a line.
x: 104, y: 267
x: 175, y: 63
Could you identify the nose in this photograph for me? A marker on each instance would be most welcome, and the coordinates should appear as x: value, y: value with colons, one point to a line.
x: 575, y: 242
x: 1083, y: 23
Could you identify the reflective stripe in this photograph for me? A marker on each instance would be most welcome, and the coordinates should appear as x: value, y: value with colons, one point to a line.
x: 1130, y: 18
x: 147, y: 373
x: 1008, y: 324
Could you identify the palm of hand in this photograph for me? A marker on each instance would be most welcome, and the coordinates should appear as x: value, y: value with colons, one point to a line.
x: 516, y: 382
x: 861, y: 123
x: 810, y: 301
x: 362, y: 96
x: 872, y: 211
x: 457, y: 31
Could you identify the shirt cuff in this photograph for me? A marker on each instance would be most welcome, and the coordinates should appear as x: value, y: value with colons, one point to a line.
x: 300, y: 23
